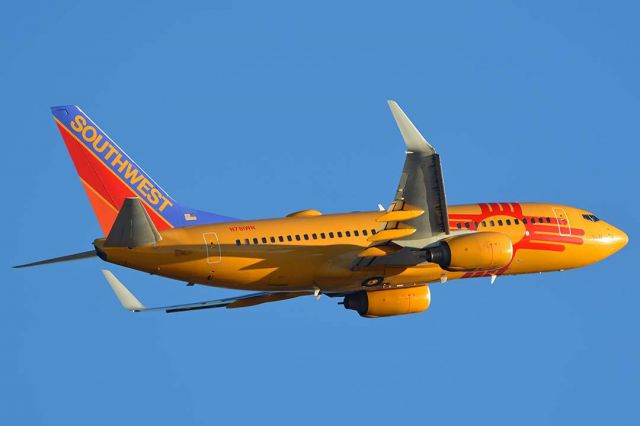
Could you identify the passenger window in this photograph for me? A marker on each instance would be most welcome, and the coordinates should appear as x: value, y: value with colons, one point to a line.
x: 500, y: 222
x: 289, y: 238
x: 314, y: 236
x: 540, y: 220
x: 548, y: 220
x: 492, y: 223
x: 484, y: 223
x: 475, y: 224
x: 255, y: 241
x: 466, y: 225
x: 339, y: 234
x: 508, y: 221
x: 356, y: 233
x: 364, y: 232
x: 246, y: 241
x: 373, y: 232
x: 281, y: 239
x: 348, y: 233
x: 533, y: 220
x: 516, y: 221
x: 322, y: 235
x: 524, y: 220
x: 297, y: 237
x: 264, y: 240
x: 238, y: 242
x: 306, y: 236
x: 273, y: 239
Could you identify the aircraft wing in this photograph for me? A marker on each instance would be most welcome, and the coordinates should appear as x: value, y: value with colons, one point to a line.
x: 418, y: 214
x: 131, y: 303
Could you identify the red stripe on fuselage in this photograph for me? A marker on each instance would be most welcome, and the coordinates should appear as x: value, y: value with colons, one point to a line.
x: 554, y: 229
x: 557, y: 238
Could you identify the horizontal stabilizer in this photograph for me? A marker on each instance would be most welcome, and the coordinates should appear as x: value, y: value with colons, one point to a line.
x: 131, y: 303
x: 76, y: 256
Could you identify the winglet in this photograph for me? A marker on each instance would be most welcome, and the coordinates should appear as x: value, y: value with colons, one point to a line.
x: 412, y: 138
x: 128, y: 300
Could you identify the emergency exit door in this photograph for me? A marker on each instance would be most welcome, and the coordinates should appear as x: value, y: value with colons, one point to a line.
x: 564, y: 227
x: 212, y: 247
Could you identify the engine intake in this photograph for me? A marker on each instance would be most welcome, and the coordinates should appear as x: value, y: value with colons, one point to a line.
x: 384, y: 303
x: 480, y: 251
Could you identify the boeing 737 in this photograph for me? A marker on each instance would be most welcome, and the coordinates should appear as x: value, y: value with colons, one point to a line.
x: 379, y: 263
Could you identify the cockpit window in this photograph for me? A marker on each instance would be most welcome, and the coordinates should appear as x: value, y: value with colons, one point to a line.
x: 591, y: 217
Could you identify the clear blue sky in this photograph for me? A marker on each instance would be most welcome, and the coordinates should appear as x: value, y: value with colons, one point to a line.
x: 254, y: 110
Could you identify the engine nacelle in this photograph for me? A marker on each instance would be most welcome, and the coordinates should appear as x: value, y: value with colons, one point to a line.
x: 384, y: 303
x: 480, y: 251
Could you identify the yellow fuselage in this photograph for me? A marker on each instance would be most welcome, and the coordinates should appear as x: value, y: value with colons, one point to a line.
x: 318, y: 252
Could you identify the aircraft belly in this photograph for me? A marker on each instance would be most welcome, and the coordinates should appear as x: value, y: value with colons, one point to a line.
x: 419, y: 274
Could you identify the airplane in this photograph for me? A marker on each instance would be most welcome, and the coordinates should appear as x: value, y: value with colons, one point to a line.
x: 380, y: 263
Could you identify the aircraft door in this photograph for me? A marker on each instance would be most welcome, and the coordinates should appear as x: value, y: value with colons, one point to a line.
x: 564, y: 226
x: 212, y: 247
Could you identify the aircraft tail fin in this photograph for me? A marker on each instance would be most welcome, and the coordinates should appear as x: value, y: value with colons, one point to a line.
x: 109, y: 176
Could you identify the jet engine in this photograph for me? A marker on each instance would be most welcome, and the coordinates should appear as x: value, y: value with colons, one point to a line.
x: 479, y: 251
x: 384, y: 303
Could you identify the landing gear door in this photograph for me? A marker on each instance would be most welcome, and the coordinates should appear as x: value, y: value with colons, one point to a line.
x: 564, y: 226
x: 212, y: 247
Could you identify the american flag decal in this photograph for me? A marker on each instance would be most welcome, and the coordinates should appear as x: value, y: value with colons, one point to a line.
x: 189, y: 216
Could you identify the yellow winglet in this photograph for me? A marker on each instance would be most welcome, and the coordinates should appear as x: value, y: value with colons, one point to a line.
x: 399, y: 215
x: 391, y: 234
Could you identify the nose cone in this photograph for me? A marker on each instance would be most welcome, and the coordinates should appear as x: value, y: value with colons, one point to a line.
x: 620, y: 239
x: 614, y: 238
